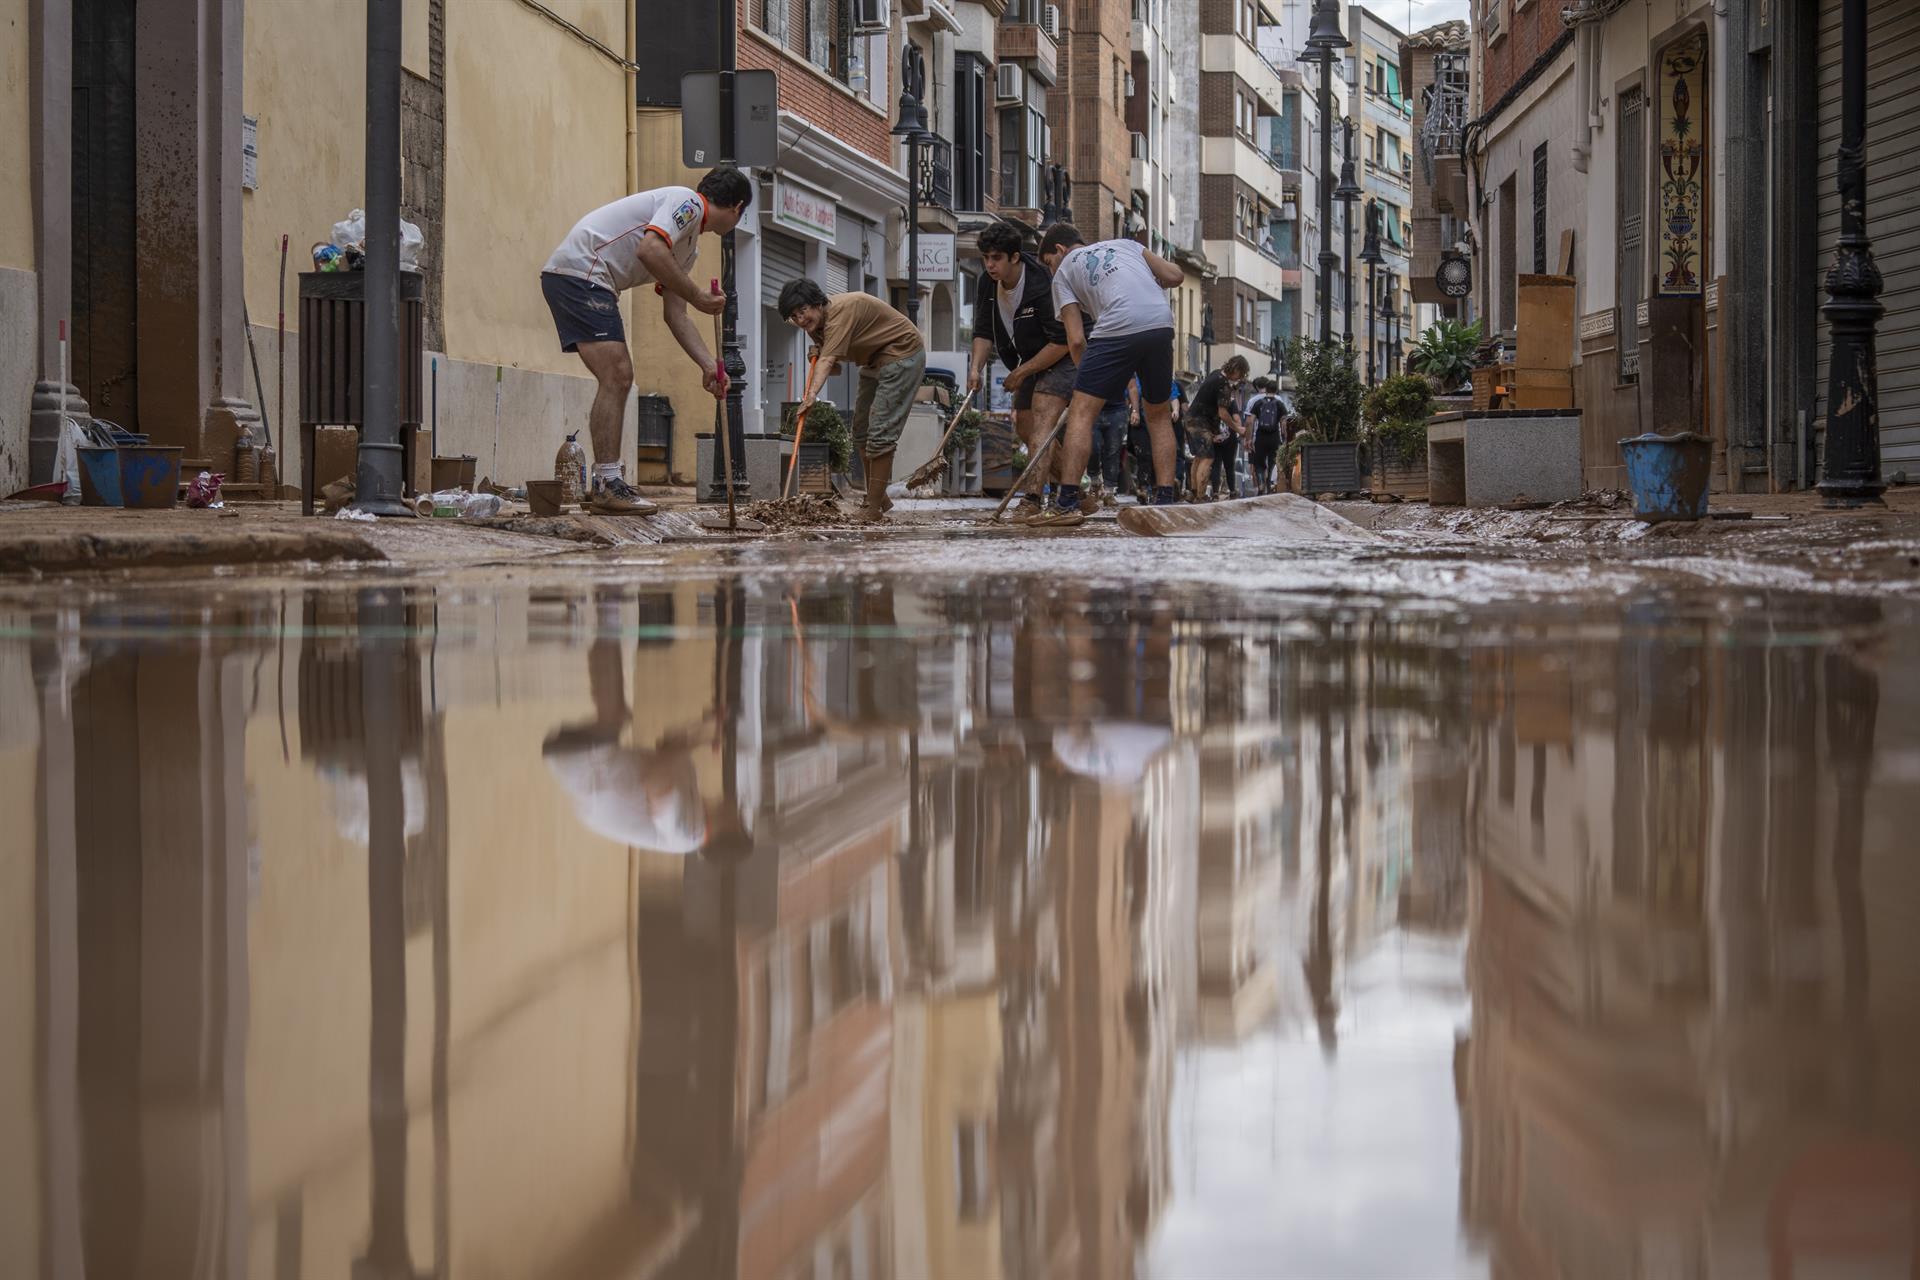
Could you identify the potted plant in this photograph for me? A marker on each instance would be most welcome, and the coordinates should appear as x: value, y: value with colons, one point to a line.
x: 827, y: 443
x: 1396, y: 413
x: 1326, y: 400
x: 1445, y: 354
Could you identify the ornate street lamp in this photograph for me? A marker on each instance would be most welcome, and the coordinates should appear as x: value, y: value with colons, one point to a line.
x: 911, y: 130
x: 1324, y: 37
x: 1346, y: 193
x: 1056, y: 195
x: 1371, y: 255
x: 1206, y: 336
x: 1850, y: 471
x: 1273, y: 356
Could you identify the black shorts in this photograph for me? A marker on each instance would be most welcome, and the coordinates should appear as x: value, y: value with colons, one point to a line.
x: 582, y: 312
x: 1111, y: 363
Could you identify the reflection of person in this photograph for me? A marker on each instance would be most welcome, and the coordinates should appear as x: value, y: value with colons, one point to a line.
x: 1014, y: 320
x: 1112, y: 753
x: 648, y: 798
x: 649, y: 237
x: 892, y: 359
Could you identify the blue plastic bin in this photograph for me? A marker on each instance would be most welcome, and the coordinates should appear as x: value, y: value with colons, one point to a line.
x: 1669, y: 475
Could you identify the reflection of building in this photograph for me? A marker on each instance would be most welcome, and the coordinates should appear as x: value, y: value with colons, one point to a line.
x: 1693, y: 972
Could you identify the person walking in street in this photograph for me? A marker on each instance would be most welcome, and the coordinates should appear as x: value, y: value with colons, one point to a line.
x: 1266, y: 411
x: 1112, y: 301
x: 1212, y: 421
x: 1226, y: 448
x: 649, y: 237
x: 1014, y: 321
x: 860, y: 328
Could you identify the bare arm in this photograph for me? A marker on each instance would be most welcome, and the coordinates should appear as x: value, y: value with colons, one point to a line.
x: 657, y: 257
x: 817, y: 374
x: 1076, y: 335
x: 1165, y: 274
x: 982, y: 355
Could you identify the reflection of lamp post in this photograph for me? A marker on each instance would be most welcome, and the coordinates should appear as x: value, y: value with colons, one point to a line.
x: 1371, y: 255
x: 912, y: 129
x: 1346, y: 193
x: 1850, y: 470
x: 1323, y: 38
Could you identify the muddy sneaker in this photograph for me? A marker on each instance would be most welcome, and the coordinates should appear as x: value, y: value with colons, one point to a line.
x: 1058, y: 518
x: 617, y: 498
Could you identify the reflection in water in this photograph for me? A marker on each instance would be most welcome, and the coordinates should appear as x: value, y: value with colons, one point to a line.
x: 867, y: 930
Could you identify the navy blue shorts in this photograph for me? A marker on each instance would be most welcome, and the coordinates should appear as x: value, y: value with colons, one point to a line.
x: 582, y: 312
x: 1111, y: 363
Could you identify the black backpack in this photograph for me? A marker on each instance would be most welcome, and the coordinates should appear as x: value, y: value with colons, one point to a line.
x: 1267, y: 414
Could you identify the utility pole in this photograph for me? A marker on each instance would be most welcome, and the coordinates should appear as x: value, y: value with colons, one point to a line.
x: 732, y: 359
x: 1850, y: 471
x: 379, y: 471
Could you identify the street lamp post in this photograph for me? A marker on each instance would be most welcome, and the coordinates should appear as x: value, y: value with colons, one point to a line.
x: 1346, y: 193
x: 730, y: 412
x: 377, y: 472
x: 1323, y: 38
x: 1371, y: 255
x: 1206, y: 336
x: 1850, y: 471
x: 912, y: 129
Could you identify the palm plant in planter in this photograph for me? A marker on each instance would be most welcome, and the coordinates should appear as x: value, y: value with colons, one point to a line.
x: 1326, y: 399
x: 1445, y: 353
x: 825, y: 427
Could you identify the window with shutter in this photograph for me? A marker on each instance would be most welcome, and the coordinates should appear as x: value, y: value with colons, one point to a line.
x: 1540, y: 209
x: 1630, y: 196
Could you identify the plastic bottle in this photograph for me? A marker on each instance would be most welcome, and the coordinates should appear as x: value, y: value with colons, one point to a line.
x: 570, y: 469
x: 268, y: 471
x: 246, y: 459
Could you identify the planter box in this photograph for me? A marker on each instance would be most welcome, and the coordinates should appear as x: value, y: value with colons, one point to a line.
x: 1403, y: 478
x: 1331, y: 467
x: 812, y: 476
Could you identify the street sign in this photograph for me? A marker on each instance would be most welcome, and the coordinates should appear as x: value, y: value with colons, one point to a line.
x: 756, y: 116
x: 1454, y: 276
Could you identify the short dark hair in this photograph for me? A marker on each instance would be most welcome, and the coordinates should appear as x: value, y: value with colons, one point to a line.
x: 1002, y: 239
x: 1235, y: 367
x: 726, y: 188
x: 800, y: 293
x: 1061, y: 235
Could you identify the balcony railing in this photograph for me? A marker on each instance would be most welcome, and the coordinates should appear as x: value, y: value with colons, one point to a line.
x: 936, y: 171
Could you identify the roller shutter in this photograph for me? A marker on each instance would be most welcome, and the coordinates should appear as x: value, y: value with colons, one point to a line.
x: 839, y: 275
x: 1893, y: 209
x: 783, y: 258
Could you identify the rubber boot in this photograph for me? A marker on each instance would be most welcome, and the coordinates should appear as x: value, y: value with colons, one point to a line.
x: 879, y: 475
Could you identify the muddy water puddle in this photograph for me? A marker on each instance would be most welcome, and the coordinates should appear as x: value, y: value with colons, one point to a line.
x: 875, y: 926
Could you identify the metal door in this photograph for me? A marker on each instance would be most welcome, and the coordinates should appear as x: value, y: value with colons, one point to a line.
x: 103, y: 322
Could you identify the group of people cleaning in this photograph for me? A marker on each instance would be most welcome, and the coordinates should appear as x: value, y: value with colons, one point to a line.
x: 1084, y: 330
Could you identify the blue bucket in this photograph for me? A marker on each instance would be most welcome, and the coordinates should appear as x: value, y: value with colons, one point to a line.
x: 1669, y: 475
x: 99, y: 476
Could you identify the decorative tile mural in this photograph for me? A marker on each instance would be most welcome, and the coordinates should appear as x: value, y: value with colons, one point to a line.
x: 1681, y: 226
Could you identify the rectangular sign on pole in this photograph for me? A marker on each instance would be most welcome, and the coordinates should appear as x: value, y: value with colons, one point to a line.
x: 756, y: 117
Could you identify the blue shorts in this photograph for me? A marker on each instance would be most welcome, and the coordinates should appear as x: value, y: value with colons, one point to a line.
x: 1111, y: 363
x: 582, y: 312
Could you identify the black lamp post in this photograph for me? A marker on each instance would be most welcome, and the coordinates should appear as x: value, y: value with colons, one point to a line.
x: 377, y: 471
x: 911, y: 129
x: 1346, y: 193
x: 1850, y: 471
x: 1206, y: 336
x: 731, y: 413
x: 1056, y: 195
x: 1393, y: 325
x: 1323, y: 38
x: 1273, y: 356
x: 1371, y: 255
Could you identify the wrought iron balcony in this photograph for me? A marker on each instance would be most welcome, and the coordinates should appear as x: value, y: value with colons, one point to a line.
x: 936, y: 171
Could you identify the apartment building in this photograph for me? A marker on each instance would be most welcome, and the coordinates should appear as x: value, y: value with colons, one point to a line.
x: 1383, y: 165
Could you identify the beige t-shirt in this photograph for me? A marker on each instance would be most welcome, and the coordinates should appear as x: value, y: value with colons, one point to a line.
x: 866, y: 331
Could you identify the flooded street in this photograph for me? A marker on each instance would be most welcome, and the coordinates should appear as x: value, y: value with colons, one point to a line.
x: 892, y: 924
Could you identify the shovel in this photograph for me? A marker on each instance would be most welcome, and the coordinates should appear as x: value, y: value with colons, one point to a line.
x: 1046, y: 446
x: 932, y: 469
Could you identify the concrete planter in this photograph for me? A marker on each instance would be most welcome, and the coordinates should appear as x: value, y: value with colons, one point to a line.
x: 1331, y: 466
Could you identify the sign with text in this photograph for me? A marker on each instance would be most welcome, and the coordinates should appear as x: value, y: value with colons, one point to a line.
x: 808, y: 210
x: 936, y: 257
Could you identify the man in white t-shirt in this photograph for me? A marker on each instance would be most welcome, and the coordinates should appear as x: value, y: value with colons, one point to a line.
x: 650, y: 237
x: 1111, y: 298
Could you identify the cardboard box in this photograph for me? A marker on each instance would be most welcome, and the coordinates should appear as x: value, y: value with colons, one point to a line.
x: 1544, y: 336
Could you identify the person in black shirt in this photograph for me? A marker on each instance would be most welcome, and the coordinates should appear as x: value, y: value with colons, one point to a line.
x: 1013, y: 319
x: 1212, y: 420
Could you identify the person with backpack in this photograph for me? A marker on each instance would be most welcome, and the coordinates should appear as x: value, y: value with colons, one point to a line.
x: 1266, y: 412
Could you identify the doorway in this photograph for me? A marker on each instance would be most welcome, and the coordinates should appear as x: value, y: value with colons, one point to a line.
x: 103, y: 328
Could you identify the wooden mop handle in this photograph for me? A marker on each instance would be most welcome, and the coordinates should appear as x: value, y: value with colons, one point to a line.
x: 799, y: 427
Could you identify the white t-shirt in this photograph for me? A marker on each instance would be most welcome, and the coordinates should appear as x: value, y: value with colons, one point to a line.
x: 604, y: 246
x: 1009, y: 298
x: 1114, y: 288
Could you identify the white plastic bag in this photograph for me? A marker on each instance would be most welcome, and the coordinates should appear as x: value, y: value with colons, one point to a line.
x: 351, y: 233
x: 66, y: 458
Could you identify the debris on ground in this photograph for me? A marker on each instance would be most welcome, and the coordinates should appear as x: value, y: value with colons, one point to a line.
x: 802, y: 511
x: 1594, y: 500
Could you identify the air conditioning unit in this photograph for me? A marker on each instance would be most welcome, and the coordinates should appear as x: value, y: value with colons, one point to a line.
x: 1050, y: 20
x: 1009, y: 82
x: 869, y: 16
